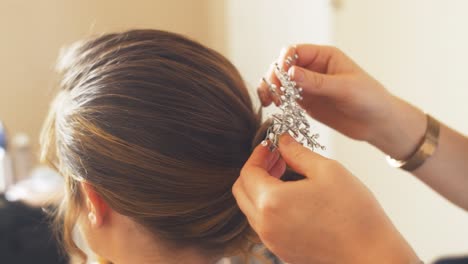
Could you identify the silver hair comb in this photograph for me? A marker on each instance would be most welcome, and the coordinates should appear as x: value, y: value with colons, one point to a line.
x: 292, y: 119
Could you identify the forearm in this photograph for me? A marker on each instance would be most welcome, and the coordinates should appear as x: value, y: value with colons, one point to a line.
x: 447, y: 170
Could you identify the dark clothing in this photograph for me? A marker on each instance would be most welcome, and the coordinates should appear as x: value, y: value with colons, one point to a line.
x: 460, y: 260
x: 25, y: 236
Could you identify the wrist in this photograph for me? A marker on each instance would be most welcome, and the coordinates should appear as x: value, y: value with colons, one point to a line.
x: 385, y: 245
x: 401, y: 133
x: 391, y: 252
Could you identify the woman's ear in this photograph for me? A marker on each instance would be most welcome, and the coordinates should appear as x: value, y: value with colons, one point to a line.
x: 96, y: 207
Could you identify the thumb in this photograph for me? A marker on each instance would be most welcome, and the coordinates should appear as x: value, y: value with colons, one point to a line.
x: 314, y: 82
x: 299, y: 158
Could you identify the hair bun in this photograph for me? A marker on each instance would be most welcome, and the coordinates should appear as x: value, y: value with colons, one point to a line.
x: 262, y: 129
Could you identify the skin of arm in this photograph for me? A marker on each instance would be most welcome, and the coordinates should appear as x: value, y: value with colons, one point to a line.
x: 446, y: 171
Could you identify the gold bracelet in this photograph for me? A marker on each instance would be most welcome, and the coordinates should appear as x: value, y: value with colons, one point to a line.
x: 425, y: 150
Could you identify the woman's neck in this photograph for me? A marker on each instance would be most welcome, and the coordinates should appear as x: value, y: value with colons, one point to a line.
x: 134, y: 244
x: 154, y: 257
x: 138, y: 249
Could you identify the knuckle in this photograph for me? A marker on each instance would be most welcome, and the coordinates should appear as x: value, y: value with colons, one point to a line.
x: 317, y: 80
x: 330, y: 169
x: 330, y: 165
x: 268, y: 203
x: 243, y: 173
x: 235, y: 188
x: 268, y: 206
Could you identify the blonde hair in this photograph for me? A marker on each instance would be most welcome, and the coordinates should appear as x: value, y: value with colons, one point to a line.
x: 160, y: 126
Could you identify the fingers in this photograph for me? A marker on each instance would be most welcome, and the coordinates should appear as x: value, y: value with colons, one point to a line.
x: 255, y: 180
x: 286, y: 59
x: 314, y: 82
x: 301, y: 159
x: 254, y: 175
x: 272, y: 160
x: 259, y: 178
x: 265, y: 93
x: 267, y: 84
x: 246, y: 205
x: 278, y: 168
x: 261, y: 158
x: 315, y: 58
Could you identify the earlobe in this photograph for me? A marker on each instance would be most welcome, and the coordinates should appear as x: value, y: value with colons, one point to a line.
x: 92, y: 218
x: 96, y: 207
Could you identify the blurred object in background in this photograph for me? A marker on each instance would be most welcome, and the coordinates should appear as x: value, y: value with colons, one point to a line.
x: 22, y: 156
x: 44, y: 187
x: 2, y: 136
x: 6, y: 173
x: 16, y: 159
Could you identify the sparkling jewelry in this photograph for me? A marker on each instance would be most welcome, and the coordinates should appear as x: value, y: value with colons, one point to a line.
x: 292, y: 118
x: 92, y: 218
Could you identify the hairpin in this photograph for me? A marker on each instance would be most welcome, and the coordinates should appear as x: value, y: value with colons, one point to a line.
x: 292, y: 118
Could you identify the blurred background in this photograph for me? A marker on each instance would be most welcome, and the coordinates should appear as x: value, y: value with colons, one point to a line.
x: 417, y: 49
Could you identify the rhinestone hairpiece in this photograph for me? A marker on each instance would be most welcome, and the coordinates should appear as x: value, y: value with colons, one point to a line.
x: 292, y: 118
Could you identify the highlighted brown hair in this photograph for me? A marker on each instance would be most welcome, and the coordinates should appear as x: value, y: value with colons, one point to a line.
x: 160, y: 126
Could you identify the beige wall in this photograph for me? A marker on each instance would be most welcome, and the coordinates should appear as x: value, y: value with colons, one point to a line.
x: 256, y: 31
x: 33, y: 32
x: 419, y: 50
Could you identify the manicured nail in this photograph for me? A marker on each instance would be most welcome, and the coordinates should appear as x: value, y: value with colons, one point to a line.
x: 272, y: 158
x: 262, y: 83
x: 264, y: 143
x: 296, y: 74
x: 261, y: 95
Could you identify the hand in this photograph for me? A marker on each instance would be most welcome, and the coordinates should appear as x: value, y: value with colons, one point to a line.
x: 338, y: 93
x: 329, y: 217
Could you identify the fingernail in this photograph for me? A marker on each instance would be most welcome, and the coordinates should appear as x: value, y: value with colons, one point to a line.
x: 261, y: 82
x: 272, y: 158
x: 286, y: 139
x: 261, y: 95
x: 264, y: 143
x: 296, y: 74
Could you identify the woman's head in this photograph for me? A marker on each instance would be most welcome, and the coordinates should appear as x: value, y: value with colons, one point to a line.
x: 157, y: 127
